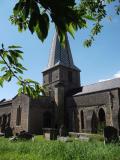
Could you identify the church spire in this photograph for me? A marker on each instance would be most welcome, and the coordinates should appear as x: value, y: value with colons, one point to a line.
x: 60, y: 55
x: 61, y: 68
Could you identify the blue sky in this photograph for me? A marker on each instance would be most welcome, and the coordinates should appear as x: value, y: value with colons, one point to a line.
x: 99, y: 62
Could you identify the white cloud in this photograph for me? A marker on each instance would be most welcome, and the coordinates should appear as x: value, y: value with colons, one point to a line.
x: 116, y: 75
x: 102, y: 80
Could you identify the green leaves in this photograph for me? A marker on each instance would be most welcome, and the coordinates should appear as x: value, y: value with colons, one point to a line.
x: 10, y: 67
x: 96, y: 29
x: 27, y: 14
x: 117, y: 8
x: 9, y: 63
x: 88, y: 43
x: 31, y: 88
x: 35, y: 15
x: 13, y: 46
x: 67, y: 16
x: 42, y: 26
x: 1, y: 81
x: 94, y: 12
x: 109, y: 1
x: 32, y: 22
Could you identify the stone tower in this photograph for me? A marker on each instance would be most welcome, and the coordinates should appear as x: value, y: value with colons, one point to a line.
x: 61, y: 75
x: 61, y: 68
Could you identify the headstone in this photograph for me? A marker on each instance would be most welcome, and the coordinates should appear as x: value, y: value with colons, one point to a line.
x: 62, y: 131
x: 25, y: 135
x: 8, y: 132
x: 50, y: 133
x: 110, y: 135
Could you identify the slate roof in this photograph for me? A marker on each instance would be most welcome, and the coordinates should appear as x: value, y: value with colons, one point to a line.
x: 6, y: 102
x: 59, y: 55
x: 100, y: 86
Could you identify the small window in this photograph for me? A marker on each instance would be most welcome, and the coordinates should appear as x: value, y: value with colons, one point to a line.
x: 50, y: 77
x: 18, y: 118
x: 82, y: 119
x: 44, y: 80
x: 69, y: 76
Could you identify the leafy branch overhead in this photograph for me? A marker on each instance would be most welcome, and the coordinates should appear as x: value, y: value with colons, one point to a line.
x: 67, y: 16
x: 10, y: 67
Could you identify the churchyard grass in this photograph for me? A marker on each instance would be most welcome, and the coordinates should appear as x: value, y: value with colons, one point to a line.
x: 41, y: 149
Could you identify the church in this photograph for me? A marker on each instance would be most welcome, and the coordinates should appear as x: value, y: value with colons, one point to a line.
x: 79, y: 108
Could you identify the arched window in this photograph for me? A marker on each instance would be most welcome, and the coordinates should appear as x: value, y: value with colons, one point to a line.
x: 82, y: 119
x: 94, y: 123
x: 4, y: 119
x: 70, y: 76
x: 18, y: 118
x: 101, y: 115
x: 102, y: 119
x: 8, y: 119
x: 47, y: 120
x: 3, y: 123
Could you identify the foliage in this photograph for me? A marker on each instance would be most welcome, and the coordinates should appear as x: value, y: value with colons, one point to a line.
x: 68, y: 16
x: 11, y: 67
x: 56, y: 150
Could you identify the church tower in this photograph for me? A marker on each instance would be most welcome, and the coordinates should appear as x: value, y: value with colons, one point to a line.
x: 60, y: 77
x: 61, y: 68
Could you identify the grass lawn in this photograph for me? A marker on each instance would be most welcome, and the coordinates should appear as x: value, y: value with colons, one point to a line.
x: 56, y: 150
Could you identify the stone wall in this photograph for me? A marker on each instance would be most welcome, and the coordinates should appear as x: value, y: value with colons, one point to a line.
x: 5, y: 115
x: 75, y: 74
x: 115, y: 108
x: 39, y: 107
x: 90, y: 104
x: 59, y: 74
x: 51, y: 76
x: 21, y: 101
x: 5, y: 109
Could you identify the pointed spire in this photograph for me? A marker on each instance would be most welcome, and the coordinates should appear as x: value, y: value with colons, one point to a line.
x: 59, y: 55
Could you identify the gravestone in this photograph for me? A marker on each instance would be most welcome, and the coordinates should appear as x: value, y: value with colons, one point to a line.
x: 25, y: 135
x: 110, y: 135
x: 50, y: 133
x: 8, y: 132
x: 62, y: 131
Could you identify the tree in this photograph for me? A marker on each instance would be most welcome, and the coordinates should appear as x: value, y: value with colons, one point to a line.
x: 67, y: 16
x: 37, y: 15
